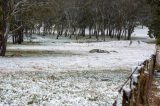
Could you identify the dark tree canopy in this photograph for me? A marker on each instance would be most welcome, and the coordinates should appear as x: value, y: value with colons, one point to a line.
x: 73, y: 18
x: 154, y: 27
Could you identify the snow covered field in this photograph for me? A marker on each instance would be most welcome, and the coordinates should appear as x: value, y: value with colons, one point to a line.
x: 65, y: 73
x: 97, y: 88
x: 76, y: 57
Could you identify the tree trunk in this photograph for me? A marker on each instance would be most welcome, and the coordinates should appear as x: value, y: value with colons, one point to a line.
x: 90, y: 32
x: 3, y: 44
x: 129, y: 34
x: 5, y: 28
x: 3, y: 47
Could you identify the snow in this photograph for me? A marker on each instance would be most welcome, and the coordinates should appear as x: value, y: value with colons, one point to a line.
x: 76, y: 57
x: 71, y: 75
x: 134, y: 80
x: 65, y: 73
x: 127, y: 91
x: 141, y: 33
x: 136, y: 69
x: 136, y: 73
x: 61, y: 89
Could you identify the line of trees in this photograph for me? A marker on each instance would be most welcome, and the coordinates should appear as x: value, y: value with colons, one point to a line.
x: 154, y: 26
x: 13, y: 19
x: 100, y: 18
x: 91, y: 18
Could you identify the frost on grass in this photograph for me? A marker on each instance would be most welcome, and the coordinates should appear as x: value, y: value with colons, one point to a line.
x: 59, y: 89
x: 69, y: 74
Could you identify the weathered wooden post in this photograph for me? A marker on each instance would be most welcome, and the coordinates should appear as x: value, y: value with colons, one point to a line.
x: 140, y: 84
x: 158, y: 58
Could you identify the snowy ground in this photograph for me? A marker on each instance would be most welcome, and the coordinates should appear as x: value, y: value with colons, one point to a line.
x: 98, y: 88
x: 141, y: 33
x: 64, y: 73
x: 76, y: 57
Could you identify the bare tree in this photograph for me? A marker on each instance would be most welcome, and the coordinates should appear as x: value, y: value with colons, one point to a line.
x: 10, y: 11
